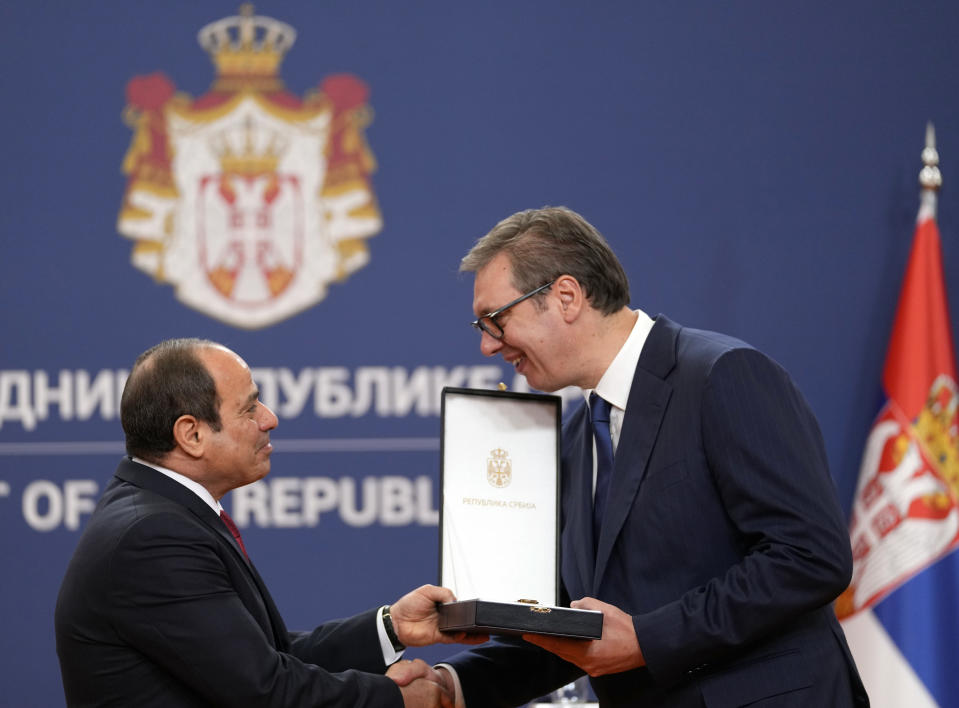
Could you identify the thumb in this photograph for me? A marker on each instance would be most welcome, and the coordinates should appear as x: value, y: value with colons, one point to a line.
x: 587, y: 603
x: 403, y: 672
x: 438, y: 593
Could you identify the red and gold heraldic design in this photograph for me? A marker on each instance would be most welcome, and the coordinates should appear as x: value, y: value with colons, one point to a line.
x: 249, y: 200
x: 905, y: 515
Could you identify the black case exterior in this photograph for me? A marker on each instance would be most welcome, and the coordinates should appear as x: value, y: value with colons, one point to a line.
x: 479, y: 616
x: 488, y: 617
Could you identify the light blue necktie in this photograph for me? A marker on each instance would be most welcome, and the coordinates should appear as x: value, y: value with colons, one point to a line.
x: 599, y: 417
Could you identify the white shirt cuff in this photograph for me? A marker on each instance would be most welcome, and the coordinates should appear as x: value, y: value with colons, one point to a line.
x: 459, y: 701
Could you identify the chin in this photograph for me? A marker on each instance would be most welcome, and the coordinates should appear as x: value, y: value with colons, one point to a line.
x: 261, y: 473
x: 543, y: 386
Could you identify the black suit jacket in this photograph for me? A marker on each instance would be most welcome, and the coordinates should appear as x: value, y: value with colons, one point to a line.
x: 723, y: 538
x: 160, y: 607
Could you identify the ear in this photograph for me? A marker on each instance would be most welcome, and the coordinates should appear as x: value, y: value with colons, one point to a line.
x: 572, y: 300
x: 189, y: 435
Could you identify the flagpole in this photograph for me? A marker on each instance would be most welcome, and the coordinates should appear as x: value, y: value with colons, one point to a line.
x: 899, y: 613
x: 930, y: 178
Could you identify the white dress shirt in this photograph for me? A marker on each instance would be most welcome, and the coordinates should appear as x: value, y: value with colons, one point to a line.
x: 617, y: 381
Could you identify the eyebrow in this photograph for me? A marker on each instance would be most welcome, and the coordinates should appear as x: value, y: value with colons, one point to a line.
x: 486, y: 310
x: 253, y: 397
x: 491, y: 310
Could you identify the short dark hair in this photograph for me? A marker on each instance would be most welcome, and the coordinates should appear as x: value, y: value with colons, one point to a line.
x: 167, y: 381
x: 543, y: 244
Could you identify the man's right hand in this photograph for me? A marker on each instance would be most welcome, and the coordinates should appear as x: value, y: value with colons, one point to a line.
x: 420, y: 684
x: 445, y: 678
x: 423, y: 693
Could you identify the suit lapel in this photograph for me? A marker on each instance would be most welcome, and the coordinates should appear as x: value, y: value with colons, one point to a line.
x: 148, y: 478
x: 645, y: 408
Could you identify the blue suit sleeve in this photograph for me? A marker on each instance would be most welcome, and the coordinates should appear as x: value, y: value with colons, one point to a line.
x: 767, y: 460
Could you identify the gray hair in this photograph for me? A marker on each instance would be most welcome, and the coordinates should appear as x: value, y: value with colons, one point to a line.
x: 543, y: 244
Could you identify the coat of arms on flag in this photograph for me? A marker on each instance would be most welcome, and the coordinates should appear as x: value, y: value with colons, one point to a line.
x: 248, y: 200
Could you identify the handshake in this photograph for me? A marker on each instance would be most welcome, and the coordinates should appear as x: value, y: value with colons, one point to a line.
x: 416, y: 624
x: 422, y: 685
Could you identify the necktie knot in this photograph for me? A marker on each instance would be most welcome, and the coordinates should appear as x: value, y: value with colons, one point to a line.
x: 598, y: 409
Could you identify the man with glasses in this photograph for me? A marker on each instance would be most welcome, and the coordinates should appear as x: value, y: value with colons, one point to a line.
x: 698, y: 513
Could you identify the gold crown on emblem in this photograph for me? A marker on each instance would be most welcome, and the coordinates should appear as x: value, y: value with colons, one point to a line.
x: 240, y: 154
x: 247, y: 45
x: 938, y: 428
x: 499, y: 454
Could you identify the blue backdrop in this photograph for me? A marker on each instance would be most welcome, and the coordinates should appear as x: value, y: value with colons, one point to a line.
x: 754, y: 165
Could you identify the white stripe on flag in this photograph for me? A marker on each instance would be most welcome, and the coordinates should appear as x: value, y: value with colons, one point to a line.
x: 888, y: 677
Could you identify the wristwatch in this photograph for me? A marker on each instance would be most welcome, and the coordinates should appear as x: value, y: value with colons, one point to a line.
x: 390, y: 630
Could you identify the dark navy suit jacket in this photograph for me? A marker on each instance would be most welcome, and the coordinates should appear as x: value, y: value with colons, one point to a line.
x: 723, y: 538
x: 160, y: 607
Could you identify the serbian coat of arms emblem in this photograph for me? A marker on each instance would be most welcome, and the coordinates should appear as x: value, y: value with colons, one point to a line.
x: 249, y: 200
x: 905, y: 514
x: 499, y: 468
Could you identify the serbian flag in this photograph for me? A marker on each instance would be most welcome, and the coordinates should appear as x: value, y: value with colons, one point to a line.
x: 901, y: 611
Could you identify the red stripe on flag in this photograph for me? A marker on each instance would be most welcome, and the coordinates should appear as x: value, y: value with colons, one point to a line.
x: 921, y: 347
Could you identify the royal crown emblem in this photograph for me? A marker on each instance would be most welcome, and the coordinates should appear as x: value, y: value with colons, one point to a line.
x: 249, y: 200
x: 499, y: 468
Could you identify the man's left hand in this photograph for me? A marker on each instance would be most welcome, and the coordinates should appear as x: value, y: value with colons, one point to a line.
x: 415, y: 619
x: 617, y: 650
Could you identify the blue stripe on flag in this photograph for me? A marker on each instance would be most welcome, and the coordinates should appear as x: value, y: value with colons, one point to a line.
x: 922, y: 618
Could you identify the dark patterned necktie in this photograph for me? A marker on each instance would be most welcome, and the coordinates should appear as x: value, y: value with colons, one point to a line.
x: 599, y: 417
x: 228, y: 522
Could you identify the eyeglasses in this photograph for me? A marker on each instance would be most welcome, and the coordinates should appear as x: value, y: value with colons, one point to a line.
x: 487, y: 323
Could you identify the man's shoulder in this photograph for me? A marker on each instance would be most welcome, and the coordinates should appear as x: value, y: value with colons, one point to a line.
x: 704, y: 341
x: 709, y: 346
x: 131, y: 524
x: 687, y: 356
x: 133, y: 489
x: 719, y: 361
x: 127, y: 508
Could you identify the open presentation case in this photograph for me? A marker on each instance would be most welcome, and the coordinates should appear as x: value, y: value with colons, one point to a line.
x: 499, y: 516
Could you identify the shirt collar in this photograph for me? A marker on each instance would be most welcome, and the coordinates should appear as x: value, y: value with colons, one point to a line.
x: 190, y: 484
x: 616, y: 382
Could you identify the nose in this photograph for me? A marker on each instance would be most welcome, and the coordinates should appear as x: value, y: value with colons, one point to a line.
x: 489, y: 345
x: 268, y: 419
